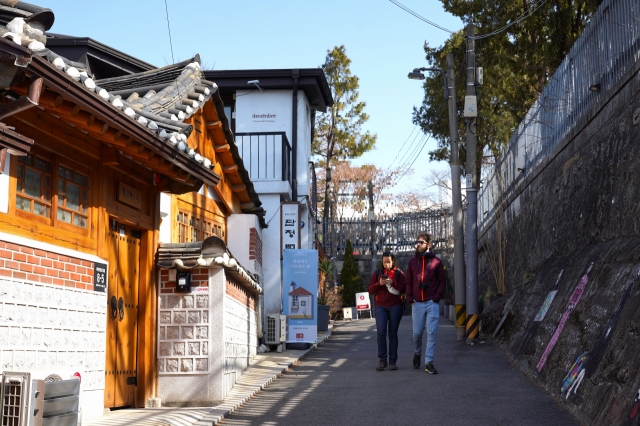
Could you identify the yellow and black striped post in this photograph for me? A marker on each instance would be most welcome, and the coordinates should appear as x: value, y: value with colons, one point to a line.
x: 473, y: 325
x: 461, y: 319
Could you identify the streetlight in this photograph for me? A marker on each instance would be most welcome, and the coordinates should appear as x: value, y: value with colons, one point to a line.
x: 456, y: 195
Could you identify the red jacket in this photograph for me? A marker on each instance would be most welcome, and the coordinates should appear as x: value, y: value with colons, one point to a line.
x: 380, y: 292
x: 425, y: 268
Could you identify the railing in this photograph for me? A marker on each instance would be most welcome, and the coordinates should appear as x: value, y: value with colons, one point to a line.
x: 394, y: 233
x: 266, y: 156
x: 606, y: 50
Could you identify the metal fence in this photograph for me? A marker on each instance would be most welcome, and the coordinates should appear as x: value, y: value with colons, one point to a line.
x: 606, y: 50
x: 393, y: 233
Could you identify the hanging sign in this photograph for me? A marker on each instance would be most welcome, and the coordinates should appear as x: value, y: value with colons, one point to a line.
x: 289, y: 226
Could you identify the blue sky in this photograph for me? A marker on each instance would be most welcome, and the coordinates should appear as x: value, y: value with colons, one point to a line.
x: 383, y: 42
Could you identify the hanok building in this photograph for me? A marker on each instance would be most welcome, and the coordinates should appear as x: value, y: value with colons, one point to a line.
x: 95, y: 174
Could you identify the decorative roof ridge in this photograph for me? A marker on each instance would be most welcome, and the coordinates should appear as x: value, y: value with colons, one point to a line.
x: 206, y: 254
x: 168, y: 69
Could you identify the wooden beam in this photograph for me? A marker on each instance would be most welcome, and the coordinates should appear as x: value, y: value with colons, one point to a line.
x: 110, y: 156
x: 245, y: 206
x: 230, y: 169
x: 214, y: 125
x: 222, y: 148
x: 238, y: 188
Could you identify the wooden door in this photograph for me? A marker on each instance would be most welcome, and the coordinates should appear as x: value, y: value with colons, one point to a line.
x: 122, y: 315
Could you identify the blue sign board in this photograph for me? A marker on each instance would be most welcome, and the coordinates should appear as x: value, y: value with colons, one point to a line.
x: 300, y: 275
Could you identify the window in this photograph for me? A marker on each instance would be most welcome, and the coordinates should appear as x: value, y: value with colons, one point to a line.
x: 33, y: 187
x: 73, y: 196
x: 54, y: 192
x: 192, y: 227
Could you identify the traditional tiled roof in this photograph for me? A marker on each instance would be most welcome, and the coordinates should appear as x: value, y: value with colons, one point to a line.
x: 300, y: 291
x: 212, y: 252
x: 159, y: 100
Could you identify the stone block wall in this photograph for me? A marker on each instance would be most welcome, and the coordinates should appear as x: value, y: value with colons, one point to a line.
x: 240, y: 335
x: 183, y: 326
x: 580, y: 206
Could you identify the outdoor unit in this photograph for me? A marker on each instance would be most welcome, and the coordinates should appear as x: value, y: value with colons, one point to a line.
x: 21, y: 402
x: 276, y: 329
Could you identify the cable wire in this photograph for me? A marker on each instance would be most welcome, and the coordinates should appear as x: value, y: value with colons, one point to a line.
x: 414, y: 160
x: 166, y: 8
x: 406, y: 9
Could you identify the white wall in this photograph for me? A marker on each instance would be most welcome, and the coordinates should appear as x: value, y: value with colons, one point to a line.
x: 4, y: 186
x: 238, y: 239
x: 167, y: 218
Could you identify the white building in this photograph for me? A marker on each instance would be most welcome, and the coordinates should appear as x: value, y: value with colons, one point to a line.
x: 272, y: 116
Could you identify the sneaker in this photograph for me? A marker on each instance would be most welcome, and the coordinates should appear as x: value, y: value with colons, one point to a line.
x: 429, y: 368
x: 393, y: 367
x: 416, y: 361
x: 381, y: 365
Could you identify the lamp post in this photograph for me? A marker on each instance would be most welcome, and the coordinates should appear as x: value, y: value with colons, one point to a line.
x: 456, y: 202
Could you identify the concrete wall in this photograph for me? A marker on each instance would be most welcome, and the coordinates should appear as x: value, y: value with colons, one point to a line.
x: 580, y: 206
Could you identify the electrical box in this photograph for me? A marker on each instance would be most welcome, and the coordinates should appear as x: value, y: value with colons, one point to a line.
x: 183, y: 282
x: 479, y: 76
x: 470, y: 106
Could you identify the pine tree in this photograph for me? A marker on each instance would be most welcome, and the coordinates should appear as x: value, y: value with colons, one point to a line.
x: 349, y: 277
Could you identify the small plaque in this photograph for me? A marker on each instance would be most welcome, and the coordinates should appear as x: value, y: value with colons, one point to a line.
x: 129, y: 195
x: 99, y: 277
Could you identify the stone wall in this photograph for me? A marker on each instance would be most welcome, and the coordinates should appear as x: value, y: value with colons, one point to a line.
x: 579, y: 207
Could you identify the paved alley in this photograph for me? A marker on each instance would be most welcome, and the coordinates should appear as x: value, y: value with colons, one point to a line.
x: 338, y: 384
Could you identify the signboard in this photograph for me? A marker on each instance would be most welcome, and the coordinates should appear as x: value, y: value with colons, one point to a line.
x: 300, y: 275
x: 129, y: 195
x: 362, y: 301
x: 289, y: 226
x: 100, y: 277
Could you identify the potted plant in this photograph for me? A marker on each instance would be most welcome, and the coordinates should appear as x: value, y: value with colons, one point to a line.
x: 325, y: 273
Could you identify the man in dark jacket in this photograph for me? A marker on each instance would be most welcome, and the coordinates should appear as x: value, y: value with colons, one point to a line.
x: 425, y: 285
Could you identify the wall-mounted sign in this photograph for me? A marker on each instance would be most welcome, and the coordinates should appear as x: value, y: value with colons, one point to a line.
x: 99, y: 277
x: 289, y: 226
x: 129, y: 195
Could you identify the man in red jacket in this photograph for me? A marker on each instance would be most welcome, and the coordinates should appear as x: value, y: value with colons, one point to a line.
x: 425, y: 285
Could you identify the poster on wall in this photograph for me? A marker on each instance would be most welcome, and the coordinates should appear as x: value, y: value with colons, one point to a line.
x: 300, y: 275
x: 289, y: 226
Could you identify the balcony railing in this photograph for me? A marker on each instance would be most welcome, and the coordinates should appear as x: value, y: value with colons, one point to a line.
x: 267, y: 155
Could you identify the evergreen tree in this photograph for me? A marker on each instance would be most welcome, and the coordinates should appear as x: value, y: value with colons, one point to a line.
x: 349, y: 277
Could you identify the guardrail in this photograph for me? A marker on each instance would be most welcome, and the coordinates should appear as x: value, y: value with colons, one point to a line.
x: 608, y: 47
x: 266, y: 155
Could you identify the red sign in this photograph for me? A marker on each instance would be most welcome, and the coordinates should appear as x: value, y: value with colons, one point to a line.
x: 361, y: 307
x: 299, y: 335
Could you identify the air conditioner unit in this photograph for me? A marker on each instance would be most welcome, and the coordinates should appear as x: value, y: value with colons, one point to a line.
x: 62, y: 395
x: 21, y: 399
x: 276, y: 329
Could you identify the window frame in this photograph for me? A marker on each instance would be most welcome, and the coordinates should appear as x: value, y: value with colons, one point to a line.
x: 52, y: 220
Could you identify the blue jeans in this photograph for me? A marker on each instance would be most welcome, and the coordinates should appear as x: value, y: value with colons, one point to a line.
x: 388, y: 317
x: 425, y: 313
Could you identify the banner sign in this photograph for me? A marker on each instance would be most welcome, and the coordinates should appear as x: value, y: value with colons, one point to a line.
x: 289, y: 226
x: 300, y: 275
x: 362, y: 301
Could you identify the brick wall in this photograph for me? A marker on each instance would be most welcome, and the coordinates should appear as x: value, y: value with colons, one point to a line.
x: 199, y: 278
x: 25, y: 263
x: 255, y: 246
x: 240, y: 294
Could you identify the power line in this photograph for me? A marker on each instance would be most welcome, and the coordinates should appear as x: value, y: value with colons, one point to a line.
x: 403, y: 144
x: 414, y: 160
x: 406, y: 157
x: 413, y: 153
x: 166, y: 8
x: 406, y: 9
x: 519, y: 19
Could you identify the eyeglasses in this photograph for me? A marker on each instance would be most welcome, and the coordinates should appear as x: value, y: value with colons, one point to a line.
x: 419, y: 243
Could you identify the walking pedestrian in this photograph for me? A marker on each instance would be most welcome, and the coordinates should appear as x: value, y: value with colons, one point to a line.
x: 425, y: 286
x: 387, y: 286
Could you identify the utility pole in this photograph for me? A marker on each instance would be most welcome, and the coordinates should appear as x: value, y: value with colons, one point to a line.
x: 456, y: 204
x: 373, y: 228
x: 471, y: 114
